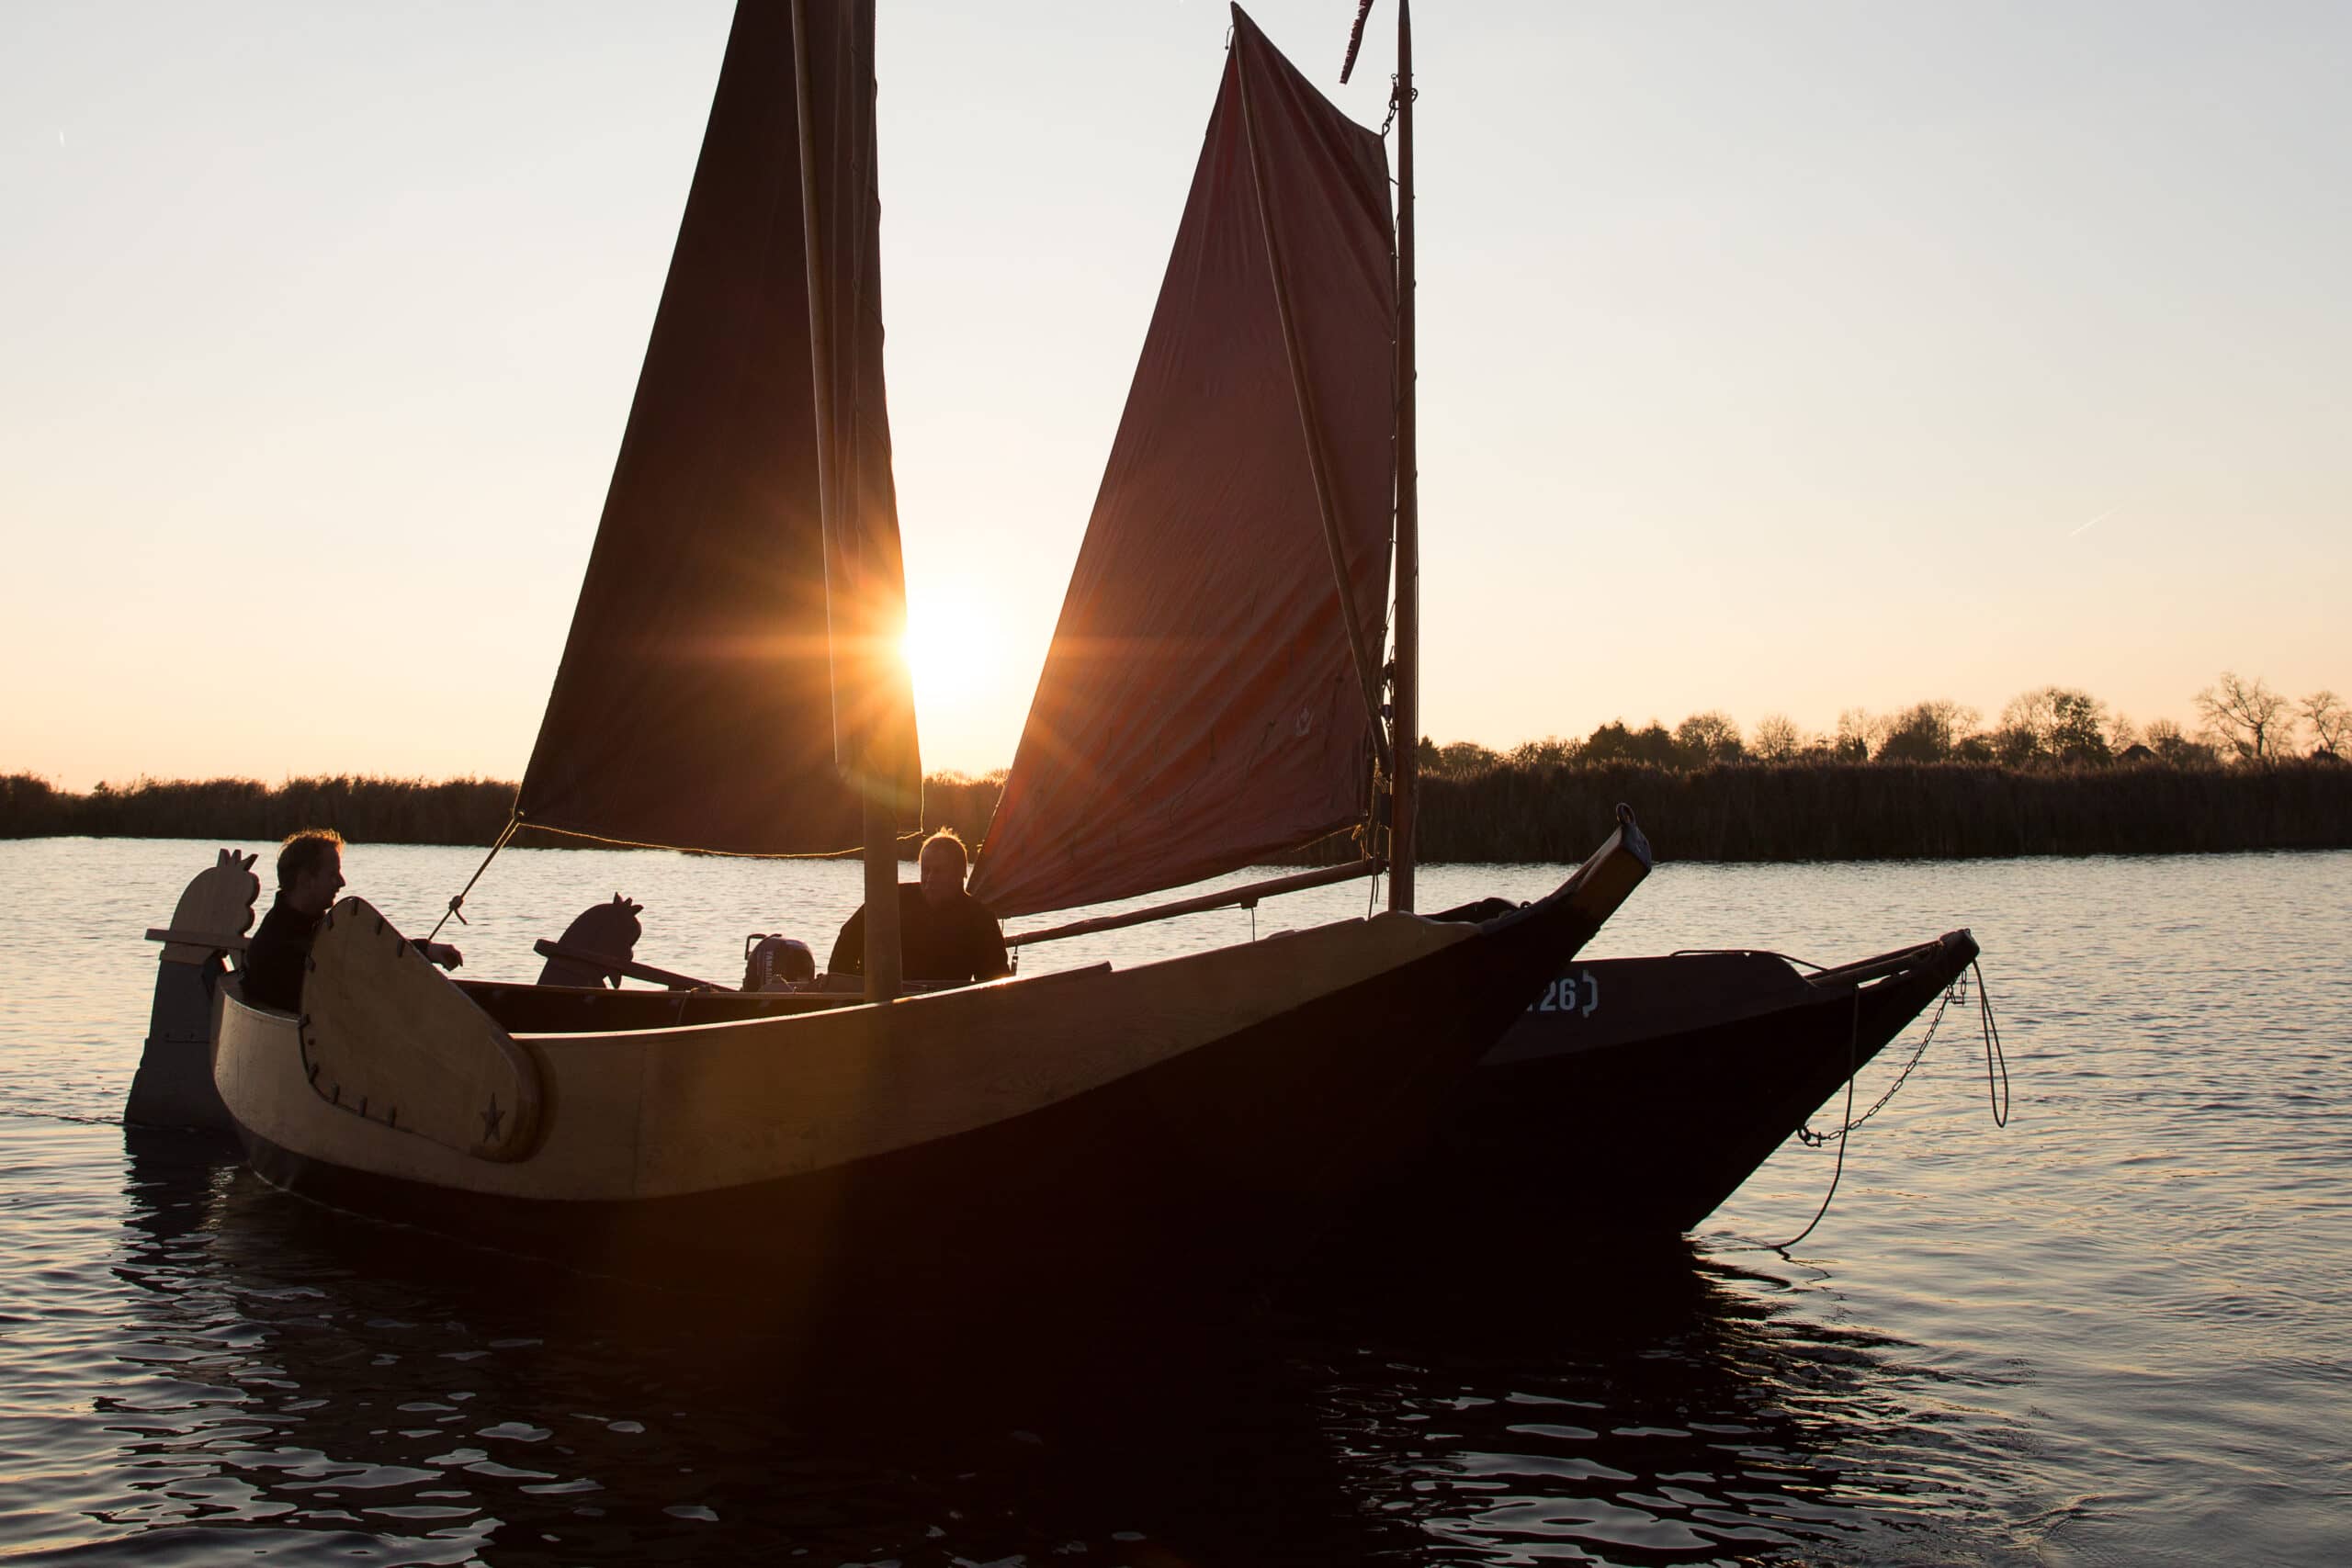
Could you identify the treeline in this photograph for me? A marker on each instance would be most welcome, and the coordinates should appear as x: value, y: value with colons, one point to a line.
x: 1885, y: 810
x: 2241, y: 721
x: 2057, y: 773
x: 370, y: 810
x: 1500, y: 810
x: 367, y: 810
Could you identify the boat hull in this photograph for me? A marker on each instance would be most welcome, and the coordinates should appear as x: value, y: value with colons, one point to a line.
x: 1207, y: 1113
x: 1635, y: 1096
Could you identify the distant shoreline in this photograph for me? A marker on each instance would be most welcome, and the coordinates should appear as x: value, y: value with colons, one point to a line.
x: 1870, y: 812
x: 1503, y: 813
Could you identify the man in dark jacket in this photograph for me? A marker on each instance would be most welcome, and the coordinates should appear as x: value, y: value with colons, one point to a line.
x: 946, y: 936
x: 309, y: 873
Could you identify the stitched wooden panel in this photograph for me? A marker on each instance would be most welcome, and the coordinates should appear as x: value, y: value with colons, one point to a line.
x: 386, y: 1036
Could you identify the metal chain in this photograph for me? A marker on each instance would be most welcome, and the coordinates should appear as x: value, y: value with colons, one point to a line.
x: 1993, y: 1055
x: 1392, y: 105
x: 1813, y: 1140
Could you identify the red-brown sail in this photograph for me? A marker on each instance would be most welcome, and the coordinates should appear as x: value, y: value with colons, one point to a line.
x: 732, y: 662
x: 1200, y: 706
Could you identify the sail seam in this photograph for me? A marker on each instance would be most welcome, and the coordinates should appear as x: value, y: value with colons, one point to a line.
x: 1317, y: 466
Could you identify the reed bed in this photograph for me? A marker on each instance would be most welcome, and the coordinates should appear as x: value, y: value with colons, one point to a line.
x: 365, y: 810
x: 369, y: 810
x: 1886, y: 810
x: 1507, y: 811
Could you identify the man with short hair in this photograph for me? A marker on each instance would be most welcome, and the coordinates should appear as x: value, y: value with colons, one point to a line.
x: 309, y: 873
x: 946, y: 937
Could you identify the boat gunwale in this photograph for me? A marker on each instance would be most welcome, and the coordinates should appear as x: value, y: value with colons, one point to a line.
x: 830, y: 1004
x: 848, y: 1000
x: 1897, y: 963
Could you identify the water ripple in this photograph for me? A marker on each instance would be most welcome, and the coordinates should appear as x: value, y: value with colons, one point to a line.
x: 2118, y: 1331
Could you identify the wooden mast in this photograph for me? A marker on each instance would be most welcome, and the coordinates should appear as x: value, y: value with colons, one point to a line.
x: 1404, y: 800
x: 881, y: 827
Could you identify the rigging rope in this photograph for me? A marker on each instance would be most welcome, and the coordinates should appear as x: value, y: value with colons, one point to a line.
x: 1813, y: 1140
x: 1996, y: 1086
x: 1853, y: 1067
x: 456, y: 901
x: 1997, y: 1097
x: 1993, y: 1051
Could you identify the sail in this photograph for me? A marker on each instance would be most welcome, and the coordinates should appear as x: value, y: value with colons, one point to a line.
x: 733, y: 680
x: 1201, y: 707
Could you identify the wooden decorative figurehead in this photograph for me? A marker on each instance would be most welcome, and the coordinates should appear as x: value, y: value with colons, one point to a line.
x: 608, y: 929
x: 218, y: 904
x: 387, y: 1036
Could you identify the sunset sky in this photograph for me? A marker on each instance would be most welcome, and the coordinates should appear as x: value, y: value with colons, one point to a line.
x: 1776, y: 358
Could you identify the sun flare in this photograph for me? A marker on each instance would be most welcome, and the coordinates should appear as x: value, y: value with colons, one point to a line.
x: 953, y: 650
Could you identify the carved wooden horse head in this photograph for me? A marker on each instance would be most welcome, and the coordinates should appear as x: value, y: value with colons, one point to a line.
x: 609, y: 930
x: 218, y: 902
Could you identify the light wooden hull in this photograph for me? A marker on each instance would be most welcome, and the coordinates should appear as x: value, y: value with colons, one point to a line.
x: 1176, y: 1115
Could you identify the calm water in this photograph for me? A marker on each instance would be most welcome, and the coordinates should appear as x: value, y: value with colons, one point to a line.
x: 2118, y: 1331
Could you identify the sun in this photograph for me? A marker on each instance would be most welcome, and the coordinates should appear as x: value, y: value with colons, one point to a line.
x: 953, y: 650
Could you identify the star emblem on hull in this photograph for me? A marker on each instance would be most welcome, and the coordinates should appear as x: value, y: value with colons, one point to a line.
x: 490, y: 1120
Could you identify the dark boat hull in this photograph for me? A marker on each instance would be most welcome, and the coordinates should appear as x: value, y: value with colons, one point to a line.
x: 1636, y: 1095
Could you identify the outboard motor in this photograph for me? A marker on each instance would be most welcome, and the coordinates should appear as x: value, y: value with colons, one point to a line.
x: 601, y: 931
x: 777, y: 963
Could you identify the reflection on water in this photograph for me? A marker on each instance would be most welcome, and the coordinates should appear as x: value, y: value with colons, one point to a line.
x: 337, y: 1382
x: 1653, y: 1407
x: 317, y: 1382
x: 2115, y: 1332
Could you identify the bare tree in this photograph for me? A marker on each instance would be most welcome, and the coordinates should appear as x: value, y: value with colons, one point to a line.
x: 2331, y: 722
x: 1858, y: 735
x: 2246, y: 716
x: 1925, y: 732
x: 2026, y: 723
x: 1778, y: 738
x: 2053, y: 723
x: 1710, y: 737
x: 2165, y: 739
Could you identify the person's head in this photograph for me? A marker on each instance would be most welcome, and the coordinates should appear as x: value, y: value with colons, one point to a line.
x: 942, y: 862
x: 310, y: 869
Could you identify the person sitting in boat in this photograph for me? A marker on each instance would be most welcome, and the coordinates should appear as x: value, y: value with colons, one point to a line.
x: 946, y: 937
x: 310, y: 873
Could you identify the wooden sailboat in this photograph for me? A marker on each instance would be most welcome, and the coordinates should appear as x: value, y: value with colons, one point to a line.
x: 729, y: 684
x: 1705, y: 1064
